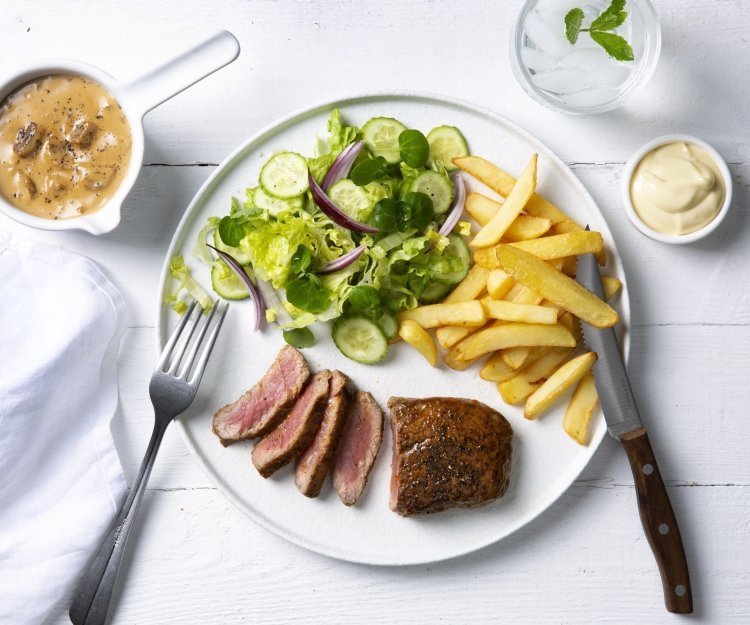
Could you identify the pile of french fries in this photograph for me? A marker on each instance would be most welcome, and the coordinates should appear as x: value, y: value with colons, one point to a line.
x: 519, y: 306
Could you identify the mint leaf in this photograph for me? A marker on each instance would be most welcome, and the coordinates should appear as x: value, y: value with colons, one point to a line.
x: 614, y: 45
x: 610, y: 19
x: 573, y: 23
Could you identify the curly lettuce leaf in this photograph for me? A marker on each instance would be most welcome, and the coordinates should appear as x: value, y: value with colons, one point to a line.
x: 186, y: 285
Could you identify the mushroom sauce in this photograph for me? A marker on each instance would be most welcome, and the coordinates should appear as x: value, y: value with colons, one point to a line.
x: 65, y: 147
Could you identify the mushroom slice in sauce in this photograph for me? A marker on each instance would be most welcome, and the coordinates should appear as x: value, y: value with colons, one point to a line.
x: 27, y: 139
x: 83, y: 133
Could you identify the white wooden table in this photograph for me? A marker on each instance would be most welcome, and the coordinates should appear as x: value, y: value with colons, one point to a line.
x: 194, y: 559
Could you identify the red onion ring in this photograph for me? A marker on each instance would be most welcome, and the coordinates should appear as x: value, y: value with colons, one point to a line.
x: 334, y: 212
x: 260, y: 305
x: 342, y: 165
x: 459, y: 200
x: 343, y: 261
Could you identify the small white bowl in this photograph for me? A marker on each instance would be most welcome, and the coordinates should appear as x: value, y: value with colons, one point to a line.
x: 675, y: 239
x: 136, y: 99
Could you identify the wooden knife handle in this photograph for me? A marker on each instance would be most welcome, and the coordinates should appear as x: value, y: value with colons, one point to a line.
x: 659, y: 522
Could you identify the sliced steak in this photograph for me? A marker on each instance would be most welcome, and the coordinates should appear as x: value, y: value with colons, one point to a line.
x: 447, y: 453
x: 261, y: 408
x: 293, y: 435
x: 313, y: 465
x: 358, y: 448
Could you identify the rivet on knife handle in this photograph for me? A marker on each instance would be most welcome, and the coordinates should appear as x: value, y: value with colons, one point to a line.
x: 659, y: 522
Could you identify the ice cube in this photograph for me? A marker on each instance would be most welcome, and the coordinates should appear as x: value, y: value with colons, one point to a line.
x: 590, y: 97
x: 562, y: 80
x: 537, y: 61
x: 545, y: 37
x: 612, y: 75
x: 586, y: 59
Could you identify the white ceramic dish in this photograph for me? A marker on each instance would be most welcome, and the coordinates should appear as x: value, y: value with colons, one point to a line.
x: 682, y: 239
x: 136, y: 99
x: 545, y: 460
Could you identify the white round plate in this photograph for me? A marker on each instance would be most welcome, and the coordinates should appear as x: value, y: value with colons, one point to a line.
x: 545, y: 460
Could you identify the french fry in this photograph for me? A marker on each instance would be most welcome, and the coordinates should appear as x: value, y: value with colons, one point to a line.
x: 515, y: 390
x: 515, y: 357
x: 495, y: 370
x: 555, y: 385
x: 470, y: 287
x: 580, y: 409
x: 555, y: 286
x: 416, y: 336
x: 563, y: 245
x: 448, y: 336
x: 512, y: 335
x: 558, y: 246
x: 514, y: 203
x: 499, y: 283
x: 527, y: 227
x: 573, y: 324
x: 524, y: 313
x: 611, y: 286
x: 570, y: 266
x: 547, y: 304
x: 566, y: 227
x: 457, y: 363
x: 524, y: 227
x: 458, y: 314
x: 481, y: 208
x: 527, y: 380
x: 502, y: 183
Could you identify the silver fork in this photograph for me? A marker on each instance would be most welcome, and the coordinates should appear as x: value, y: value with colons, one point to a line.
x: 173, y: 387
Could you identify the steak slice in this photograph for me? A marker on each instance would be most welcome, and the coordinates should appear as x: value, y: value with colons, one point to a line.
x: 447, y: 453
x: 358, y: 448
x: 296, y: 431
x: 313, y: 465
x: 260, y: 409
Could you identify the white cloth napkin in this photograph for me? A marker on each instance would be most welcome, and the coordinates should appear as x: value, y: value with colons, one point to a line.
x: 61, y: 482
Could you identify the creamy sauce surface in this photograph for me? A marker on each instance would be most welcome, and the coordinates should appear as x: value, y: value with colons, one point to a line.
x: 677, y: 188
x: 65, y: 147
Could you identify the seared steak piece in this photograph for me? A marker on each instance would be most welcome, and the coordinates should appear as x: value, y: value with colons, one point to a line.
x: 447, y: 453
x: 358, y: 448
x: 313, y: 465
x: 296, y: 431
x: 261, y: 408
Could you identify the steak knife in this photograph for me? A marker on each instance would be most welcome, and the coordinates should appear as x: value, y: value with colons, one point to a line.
x: 625, y: 425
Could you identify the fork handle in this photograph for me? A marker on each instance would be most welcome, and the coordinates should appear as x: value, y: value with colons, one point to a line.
x: 94, y: 593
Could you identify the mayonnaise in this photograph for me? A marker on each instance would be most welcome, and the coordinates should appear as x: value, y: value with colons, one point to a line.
x: 677, y: 188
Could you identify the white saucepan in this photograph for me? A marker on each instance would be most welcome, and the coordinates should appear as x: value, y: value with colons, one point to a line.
x: 136, y: 99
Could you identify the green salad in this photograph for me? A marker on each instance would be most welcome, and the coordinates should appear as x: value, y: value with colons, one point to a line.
x: 366, y: 228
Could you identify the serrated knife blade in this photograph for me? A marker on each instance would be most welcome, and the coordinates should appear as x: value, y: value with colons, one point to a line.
x: 612, y: 383
x: 624, y: 424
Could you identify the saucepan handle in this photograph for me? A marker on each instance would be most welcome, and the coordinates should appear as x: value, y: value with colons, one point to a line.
x: 166, y: 81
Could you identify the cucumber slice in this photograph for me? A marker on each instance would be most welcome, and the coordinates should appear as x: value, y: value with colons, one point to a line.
x: 447, y: 143
x: 434, y: 292
x: 457, y: 248
x: 274, y: 205
x: 351, y: 199
x: 388, y: 325
x: 284, y: 176
x: 381, y: 137
x: 235, y: 252
x: 360, y: 339
x: 226, y: 283
x: 437, y: 187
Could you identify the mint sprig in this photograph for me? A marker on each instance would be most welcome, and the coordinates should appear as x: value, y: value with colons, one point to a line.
x: 610, y: 19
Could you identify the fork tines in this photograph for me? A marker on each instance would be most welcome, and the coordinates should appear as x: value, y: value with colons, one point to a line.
x: 195, y: 336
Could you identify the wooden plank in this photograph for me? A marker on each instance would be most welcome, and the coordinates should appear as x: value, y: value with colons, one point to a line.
x: 194, y: 559
x: 286, y: 45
